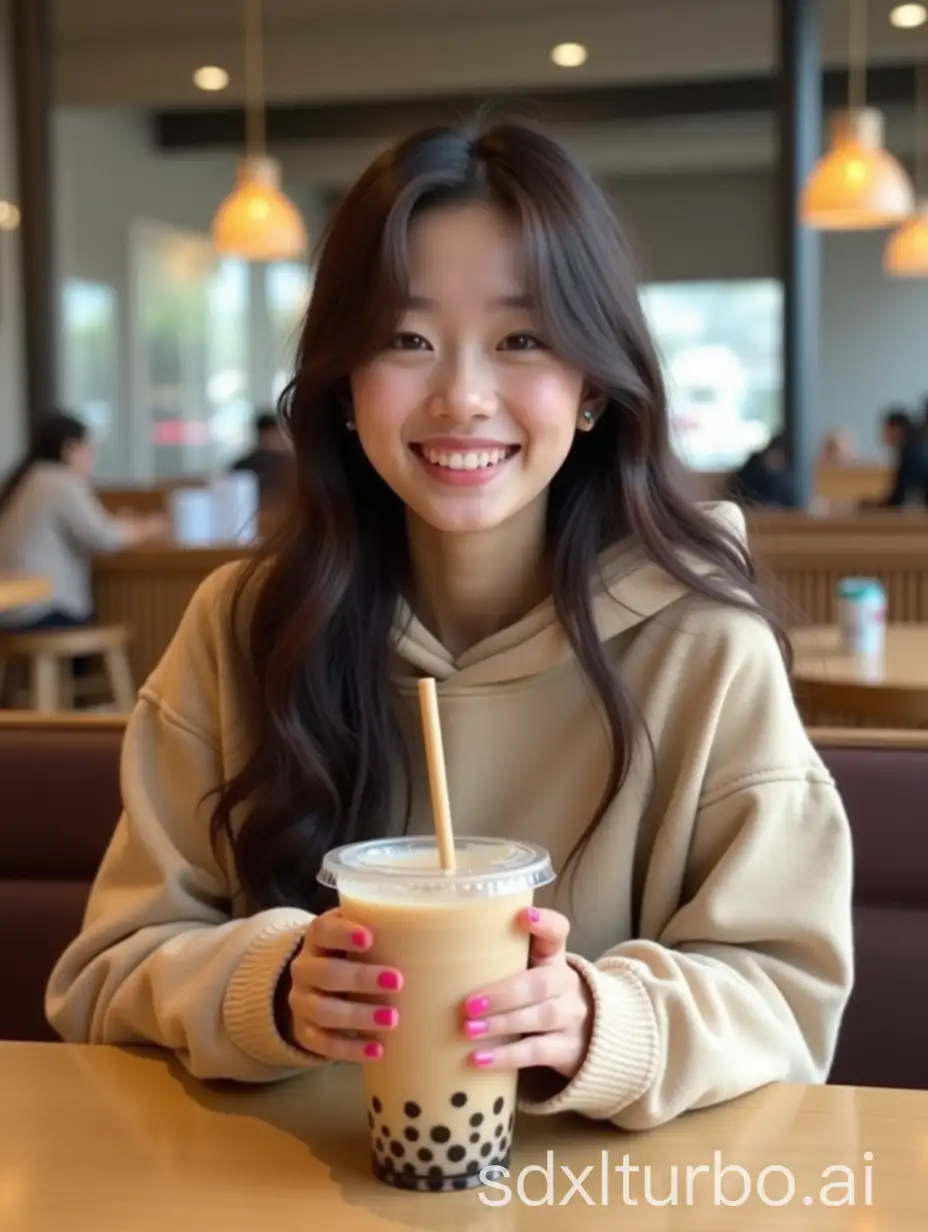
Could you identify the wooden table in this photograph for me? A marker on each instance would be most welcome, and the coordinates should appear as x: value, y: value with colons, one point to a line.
x: 18, y: 589
x: 893, y: 690
x: 100, y: 1140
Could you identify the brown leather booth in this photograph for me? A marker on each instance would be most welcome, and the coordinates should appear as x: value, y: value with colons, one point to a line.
x: 59, y: 800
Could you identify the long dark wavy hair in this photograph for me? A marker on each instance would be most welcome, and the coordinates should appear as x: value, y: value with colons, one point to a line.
x: 325, y: 756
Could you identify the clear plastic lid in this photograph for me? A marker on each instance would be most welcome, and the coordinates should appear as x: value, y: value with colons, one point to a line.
x: 409, y: 867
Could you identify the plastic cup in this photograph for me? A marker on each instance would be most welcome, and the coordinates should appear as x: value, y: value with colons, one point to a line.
x: 436, y: 1121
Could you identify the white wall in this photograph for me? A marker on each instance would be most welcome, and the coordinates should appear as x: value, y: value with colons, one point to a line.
x: 12, y: 414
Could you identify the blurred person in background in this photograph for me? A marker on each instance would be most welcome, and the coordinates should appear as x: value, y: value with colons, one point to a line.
x: 52, y: 523
x: 909, y: 442
x: 764, y: 479
x: 270, y: 459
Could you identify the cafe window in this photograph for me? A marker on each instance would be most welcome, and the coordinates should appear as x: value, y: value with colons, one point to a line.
x: 90, y: 365
x: 720, y: 345
x: 287, y: 288
x: 190, y: 366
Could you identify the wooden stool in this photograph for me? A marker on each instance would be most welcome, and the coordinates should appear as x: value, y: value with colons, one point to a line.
x: 49, y: 655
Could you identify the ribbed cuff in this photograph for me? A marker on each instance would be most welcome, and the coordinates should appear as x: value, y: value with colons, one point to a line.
x: 248, y: 1006
x: 622, y: 1058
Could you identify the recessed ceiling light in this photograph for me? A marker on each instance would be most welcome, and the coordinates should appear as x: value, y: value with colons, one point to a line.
x: 568, y: 55
x: 908, y: 16
x: 211, y: 77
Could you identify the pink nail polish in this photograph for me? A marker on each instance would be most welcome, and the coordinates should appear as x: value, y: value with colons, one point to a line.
x: 359, y: 939
x: 477, y: 1006
x: 374, y: 1051
x: 386, y: 1018
x: 482, y: 1058
x: 476, y: 1026
x: 534, y: 914
x: 389, y: 979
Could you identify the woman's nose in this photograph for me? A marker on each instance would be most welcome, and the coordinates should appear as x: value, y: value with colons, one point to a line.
x: 465, y: 391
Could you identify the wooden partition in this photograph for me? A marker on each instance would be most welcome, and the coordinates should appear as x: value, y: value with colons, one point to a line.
x: 803, y: 558
x: 149, y: 590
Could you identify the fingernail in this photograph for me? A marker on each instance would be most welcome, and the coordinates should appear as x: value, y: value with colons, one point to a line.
x: 389, y: 979
x: 374, y: 1051
x: 482, y: 1058
x: 534, y: 914
x: 477, y: 1006
x: 476, y: 1026
x: 386, y: 1018
x: 359, y: 939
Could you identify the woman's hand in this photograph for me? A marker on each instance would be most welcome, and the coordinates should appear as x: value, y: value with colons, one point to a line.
x: 324, y: 1017
x: 549, y: 1005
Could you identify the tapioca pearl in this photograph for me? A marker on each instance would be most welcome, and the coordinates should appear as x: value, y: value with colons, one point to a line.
x: 385, y: 1131
x: 426, y: 1155
x: 397, y: 1148
x: 503, y: 1146
x: 435, y: 1173
x: 459, y: 1099
x: 499, y: 1130
x: 376, y: 1104
x: 473, y: 1168
x: 412, y: 1109
x: 436, y: 1184
x: 409, y: 1169
x: 512, y: 1120
x: 475, y: 1137
x: 476, y: 1119
x: 370, y: 1119
x: 456, y: 1154
x: 388, y: 1164
x: 459, y: 1182
x: 498, y: 1105
x: 486, y: 1149
x: 379, y: 1144
x: 440, y: 1133
x: 411, y: 1134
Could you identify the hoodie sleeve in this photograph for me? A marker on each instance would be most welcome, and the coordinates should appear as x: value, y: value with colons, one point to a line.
x: 746, y: 982
x: 160, y: 960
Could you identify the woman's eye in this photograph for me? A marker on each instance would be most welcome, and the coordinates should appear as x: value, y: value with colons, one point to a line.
x: 522, y: 342
x: 408, y: 342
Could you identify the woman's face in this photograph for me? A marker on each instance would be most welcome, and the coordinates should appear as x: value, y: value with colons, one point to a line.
x: 467, y: 414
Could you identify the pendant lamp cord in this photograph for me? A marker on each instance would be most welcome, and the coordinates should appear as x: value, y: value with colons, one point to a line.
x: 255, y: 133
x: 921, y: 126
x: 857, y: 56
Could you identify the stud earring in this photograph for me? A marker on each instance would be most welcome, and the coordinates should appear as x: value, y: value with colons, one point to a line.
x: 350, y: 425
x: 588, y: 418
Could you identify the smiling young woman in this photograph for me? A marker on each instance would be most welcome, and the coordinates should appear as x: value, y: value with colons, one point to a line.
x: 485, y: 495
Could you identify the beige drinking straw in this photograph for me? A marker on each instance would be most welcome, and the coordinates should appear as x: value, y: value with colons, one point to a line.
x: 438, y: 778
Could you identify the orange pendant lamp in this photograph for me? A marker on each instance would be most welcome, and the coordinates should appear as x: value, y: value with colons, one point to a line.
x: 858, y: 185
x: 257, y: 222
x: 906, y: 252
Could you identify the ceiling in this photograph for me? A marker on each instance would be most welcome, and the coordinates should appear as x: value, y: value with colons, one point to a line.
x: 128, y: 53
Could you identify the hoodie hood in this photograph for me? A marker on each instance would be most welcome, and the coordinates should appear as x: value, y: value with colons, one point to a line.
x: 630, y: 589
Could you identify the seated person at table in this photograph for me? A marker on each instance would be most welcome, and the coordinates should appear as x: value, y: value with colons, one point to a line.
x: 486, y: 497
x: 909, y: 442
x: 52, y: 523
x: 764, y: 480
x: 270, y: 460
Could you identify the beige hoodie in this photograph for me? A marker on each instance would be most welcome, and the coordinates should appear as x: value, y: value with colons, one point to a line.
x: 711, y: 915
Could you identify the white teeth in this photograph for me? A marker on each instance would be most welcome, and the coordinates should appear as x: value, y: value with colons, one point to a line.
x: 470, y: 461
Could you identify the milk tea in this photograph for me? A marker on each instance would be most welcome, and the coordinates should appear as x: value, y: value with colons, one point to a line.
x: 437, y: 1122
